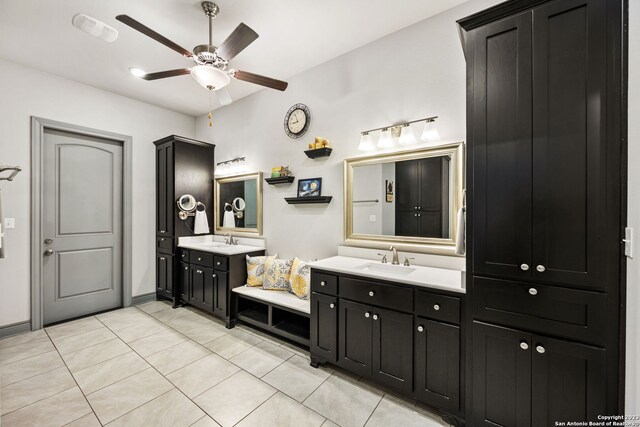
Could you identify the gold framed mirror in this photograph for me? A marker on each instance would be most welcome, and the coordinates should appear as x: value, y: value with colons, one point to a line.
x: 238, y: 204
x: 407, y: 198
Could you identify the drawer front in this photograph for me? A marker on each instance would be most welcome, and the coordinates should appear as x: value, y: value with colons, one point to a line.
x: 184, y: 255
x: 569, y: 313
x: 220, y: 263
x: 387, y: 296
x: 324, y: 283
x: 438, y: 307
x: 164, y: 244
x: 201, y: 258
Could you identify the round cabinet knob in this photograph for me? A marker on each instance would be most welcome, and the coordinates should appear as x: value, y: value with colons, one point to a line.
x: 218, y: 263
x: 419, y: 215
x: 161, y: 258
x: 436, y: 307
x: 533, y: 291
x: 186, y: 268
x: 540, y: 349
x: 367, y: 314
x: 524, y: 267
x: 371, y: 293
x: 540, y: 268
x: 213, y: 275
x: 375, y: 317
x: 323, y: 283
x: 415, y: 214
x: 162, y: 239
x: 524, y: 345
x: 199, y: 259
x: 420, y: 328
x: 416, y: 208
x: 199, y: 271
x: 332, y: 305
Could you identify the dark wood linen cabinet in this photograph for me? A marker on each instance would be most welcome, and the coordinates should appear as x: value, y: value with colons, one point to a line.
x: 544, y: 211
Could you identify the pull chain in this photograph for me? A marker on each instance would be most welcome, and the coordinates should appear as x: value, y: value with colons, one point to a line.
x: 210, y: 110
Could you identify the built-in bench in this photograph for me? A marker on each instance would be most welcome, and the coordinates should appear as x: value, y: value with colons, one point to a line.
x: 278, y: 312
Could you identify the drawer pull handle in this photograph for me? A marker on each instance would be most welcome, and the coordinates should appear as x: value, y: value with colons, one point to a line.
x: 375, y: 317
x: 436, y: 307
x: 199, y: 271
x: 524, y: 267
x: 524, y: 345
x: 540, y: 268
x: 323, y: 283
x: 332, y: 305
x: 420, y: 328
x: 371, y: 293
x: 533, y: 291
x: 540, y: 349
x: 367, y: 314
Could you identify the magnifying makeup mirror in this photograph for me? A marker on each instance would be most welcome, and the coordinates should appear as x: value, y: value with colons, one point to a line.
x: 187, y: 204
x: 239, y: 204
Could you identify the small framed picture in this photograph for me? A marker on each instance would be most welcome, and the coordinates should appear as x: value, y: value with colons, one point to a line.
x: 389, y: 190
x: 310, y: 187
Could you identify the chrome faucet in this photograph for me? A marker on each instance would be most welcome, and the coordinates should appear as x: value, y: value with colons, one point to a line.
x: 229, y: 240
x: 394, y: 253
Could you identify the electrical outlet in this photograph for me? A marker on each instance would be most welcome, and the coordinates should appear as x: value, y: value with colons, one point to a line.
x: 372, y: 218
x: 9, y: 223
x: 628, y: 242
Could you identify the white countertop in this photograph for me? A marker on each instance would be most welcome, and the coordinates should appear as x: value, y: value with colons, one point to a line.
x: 428, y: 277
x: 220, y: 248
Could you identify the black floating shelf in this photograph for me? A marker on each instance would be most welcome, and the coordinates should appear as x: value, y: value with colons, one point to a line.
x: 307, y: 200
x: 318, y: 152
x: 280, y: 180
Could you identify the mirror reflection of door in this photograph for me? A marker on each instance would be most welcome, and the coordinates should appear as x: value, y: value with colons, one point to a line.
x: 238, y: 202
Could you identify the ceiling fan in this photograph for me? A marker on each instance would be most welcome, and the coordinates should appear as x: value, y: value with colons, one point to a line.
x: 211, y: 62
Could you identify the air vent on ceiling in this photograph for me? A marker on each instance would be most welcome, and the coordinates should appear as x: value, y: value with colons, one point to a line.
x: 95, y: 28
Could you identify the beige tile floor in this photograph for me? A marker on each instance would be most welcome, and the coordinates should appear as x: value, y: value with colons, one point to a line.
x: 151, y: 365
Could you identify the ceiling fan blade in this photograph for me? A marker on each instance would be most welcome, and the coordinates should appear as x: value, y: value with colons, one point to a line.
x: 237, y: 41
x: 127, y: 20
x: 260, y: 80
x: 224, y: 98
x: 165, y: 74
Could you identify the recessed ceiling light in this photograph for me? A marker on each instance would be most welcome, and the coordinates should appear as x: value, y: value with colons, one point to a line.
x: 94, y: 27
x: 138, y: 72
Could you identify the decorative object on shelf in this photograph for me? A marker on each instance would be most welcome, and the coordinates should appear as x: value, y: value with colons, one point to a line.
x: 280, y: 171
x: 319, y: 143
x: 297, y: 121
x: 318, y: 152
x: 311, y: 187
x: 388, y: 185
x: 308, y: 200
x: 402, y: 132
x: 280, y: 180
x: 231, y: 167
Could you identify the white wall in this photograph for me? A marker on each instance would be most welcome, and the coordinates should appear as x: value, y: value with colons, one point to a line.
x: 633, y: 265
x: 367, y: 185
x: 416, y: 72
x: 26, y: 92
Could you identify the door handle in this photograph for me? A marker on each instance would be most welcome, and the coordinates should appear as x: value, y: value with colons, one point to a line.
x: 48, y: 252
x: 48, y: 241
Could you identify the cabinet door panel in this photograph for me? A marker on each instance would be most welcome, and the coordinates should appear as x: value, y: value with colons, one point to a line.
x: 568, y: 381
x: 170, y: 201
x: 196, y: 291
x: 355, y: 337
x: 569, y: 149
x: 407, y: 192
x: 437, y: 361
x: 185, y: 281
x: 208, y: 289
x: 161, y: 190
x: 501, y: 376
x: 161, y: 273
x: 392, y: 362
x: 502, y: 147
x: 324, y: 326
x: 220, y: 293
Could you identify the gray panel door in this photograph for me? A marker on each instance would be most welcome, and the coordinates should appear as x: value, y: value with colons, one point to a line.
x: 82, y: 217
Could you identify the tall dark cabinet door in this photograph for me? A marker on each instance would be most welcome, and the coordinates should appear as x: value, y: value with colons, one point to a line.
x: 324, y: 326
x: 164, y: 186
x: 185, y: 282
x: 501, y: 376
x: 569, y: 381
x: 392, y: 362
x: 407, y: 198
x: 355, y: 337
x: 569, y: 145
x: 164, y: 274
x: 502, y: 148
x: 196, y: 291
x: 437, y: 361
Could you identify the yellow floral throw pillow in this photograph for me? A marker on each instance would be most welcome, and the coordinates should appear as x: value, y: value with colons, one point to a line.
x: 255, y: 269
x: 276, y: 274
x: 300, y: 278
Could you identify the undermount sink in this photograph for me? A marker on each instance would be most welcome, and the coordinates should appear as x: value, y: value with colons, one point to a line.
x: 398, y: 270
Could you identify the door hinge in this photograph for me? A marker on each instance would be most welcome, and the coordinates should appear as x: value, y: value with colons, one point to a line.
x: 628, y: 242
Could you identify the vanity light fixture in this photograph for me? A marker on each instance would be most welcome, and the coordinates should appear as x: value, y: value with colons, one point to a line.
x: 403, y: 131
x: 230, y: 167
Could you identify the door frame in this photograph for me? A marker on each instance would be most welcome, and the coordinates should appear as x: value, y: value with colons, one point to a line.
x: 38, y: 126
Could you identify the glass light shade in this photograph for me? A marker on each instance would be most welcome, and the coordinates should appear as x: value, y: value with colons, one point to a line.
x: 430, y: 132
x: 366, y: 143
x: 210, y: 77
x: 138, y: 72
x: 385, y: 141
x: 406, y: 136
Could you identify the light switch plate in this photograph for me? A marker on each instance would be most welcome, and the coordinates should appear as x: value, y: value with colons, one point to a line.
x: 9, y: 223
x: 628, y: 242
x: 372, y: 218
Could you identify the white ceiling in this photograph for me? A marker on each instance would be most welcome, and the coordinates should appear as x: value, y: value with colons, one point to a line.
x: 295, y: 35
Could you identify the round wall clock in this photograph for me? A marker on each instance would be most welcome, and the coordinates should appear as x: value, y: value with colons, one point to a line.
x: 297, y: 121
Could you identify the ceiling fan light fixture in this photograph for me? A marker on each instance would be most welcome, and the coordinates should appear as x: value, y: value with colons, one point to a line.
x: 94, y: 27
x: 137, y: 72
x: 210, y: 77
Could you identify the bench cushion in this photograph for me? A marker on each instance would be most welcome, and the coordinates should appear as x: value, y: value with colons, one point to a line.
x: 279, y: 298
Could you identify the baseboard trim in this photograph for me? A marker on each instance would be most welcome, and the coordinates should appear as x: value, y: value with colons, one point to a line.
x: 15, y: 329
x: 140, y: 299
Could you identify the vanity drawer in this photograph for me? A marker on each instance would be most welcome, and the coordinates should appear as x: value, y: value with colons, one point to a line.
x: 387, y: 296
x: 201, y: 258
x: 324, y: 283
x: 438, y: 307
x: 552, y: 310
x: 220, y: 263
x: 164, y: 244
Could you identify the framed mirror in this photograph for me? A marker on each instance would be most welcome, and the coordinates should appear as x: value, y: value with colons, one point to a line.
x: 407, y: 198
x: 238, y: 204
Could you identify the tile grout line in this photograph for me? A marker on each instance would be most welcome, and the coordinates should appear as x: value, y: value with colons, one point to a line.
x: 35, y: 375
